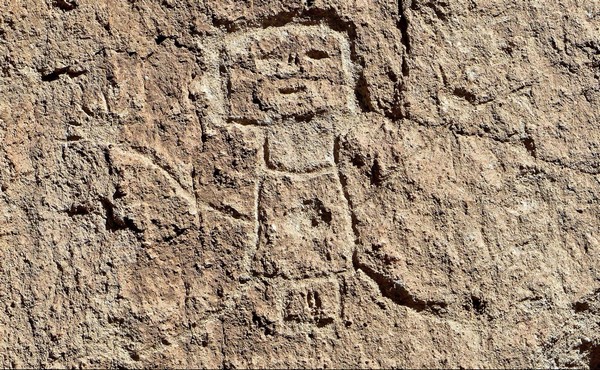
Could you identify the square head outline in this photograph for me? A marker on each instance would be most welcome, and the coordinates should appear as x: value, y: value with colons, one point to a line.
x: 288, y: 72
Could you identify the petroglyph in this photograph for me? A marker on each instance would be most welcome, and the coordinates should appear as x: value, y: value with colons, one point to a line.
x: 295, y: 82
x: 299, y: 184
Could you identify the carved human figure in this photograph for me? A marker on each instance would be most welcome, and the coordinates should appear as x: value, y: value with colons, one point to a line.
x: 296, y: 83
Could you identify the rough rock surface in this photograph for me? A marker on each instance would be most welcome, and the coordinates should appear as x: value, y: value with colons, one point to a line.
x: 288, y: 183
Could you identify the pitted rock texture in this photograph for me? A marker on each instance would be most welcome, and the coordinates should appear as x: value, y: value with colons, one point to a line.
x: 299, y: 183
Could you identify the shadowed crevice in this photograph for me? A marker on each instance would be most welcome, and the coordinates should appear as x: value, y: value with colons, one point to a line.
x: 529, y: 144
x: 115, y: 223
x: 55, y: 75
x: 395, y: 291
x: 402, y: 25
x: 65, y: 5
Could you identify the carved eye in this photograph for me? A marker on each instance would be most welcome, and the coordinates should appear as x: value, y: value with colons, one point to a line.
x: 317, y: 54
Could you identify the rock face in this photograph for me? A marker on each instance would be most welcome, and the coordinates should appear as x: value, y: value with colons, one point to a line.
x: 300, y: 183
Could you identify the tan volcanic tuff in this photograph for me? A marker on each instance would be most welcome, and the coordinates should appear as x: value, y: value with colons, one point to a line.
x: 299, y: 184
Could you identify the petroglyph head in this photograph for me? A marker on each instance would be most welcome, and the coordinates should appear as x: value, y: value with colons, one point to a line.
x: 287, y: 72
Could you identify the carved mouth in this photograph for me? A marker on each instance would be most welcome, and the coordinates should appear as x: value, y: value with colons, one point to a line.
x: 292, y: 89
